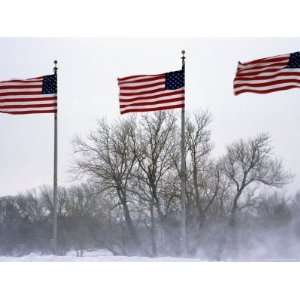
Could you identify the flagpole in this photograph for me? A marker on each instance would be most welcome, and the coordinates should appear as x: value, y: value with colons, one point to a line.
x: 55, y: 177
x: 183, y: 170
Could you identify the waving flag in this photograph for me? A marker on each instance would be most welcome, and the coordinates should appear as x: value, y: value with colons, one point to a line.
x: 29, y: 96
x: 142, y: 93
x: 267, y: 75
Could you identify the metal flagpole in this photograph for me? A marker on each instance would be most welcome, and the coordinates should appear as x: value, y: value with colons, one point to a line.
x: 183, y: 170
x: 55, y: 177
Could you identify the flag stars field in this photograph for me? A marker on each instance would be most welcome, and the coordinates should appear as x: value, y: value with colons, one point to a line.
x: 294, y: 61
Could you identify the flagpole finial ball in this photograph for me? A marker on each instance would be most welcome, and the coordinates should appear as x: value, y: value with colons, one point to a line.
x: 55, y: 67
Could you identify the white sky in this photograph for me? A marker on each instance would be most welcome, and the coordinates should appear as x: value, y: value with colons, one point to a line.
x: 87, y: 86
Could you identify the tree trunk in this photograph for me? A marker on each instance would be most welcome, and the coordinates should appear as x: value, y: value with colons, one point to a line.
x: 128, y: 220
x: 129, y: 224
x: 233, y: 230
x: 153, y: 239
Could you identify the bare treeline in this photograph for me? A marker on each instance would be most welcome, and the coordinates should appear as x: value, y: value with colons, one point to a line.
x: 130, y: 202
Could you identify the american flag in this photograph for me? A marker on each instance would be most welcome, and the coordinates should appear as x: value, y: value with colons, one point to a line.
x: 267, y: 75
x: 142, y: 93
x: 29, y: 96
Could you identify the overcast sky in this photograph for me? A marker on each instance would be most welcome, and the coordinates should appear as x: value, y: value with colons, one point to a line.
x: 88, y: 90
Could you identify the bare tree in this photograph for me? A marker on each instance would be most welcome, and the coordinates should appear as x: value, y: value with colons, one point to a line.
x: 252, y: 162
x: 81, y: 209
x: 248, y: 164
x: 199, y: 165
x: 30, y: 205
x: 153, y: 145
x: 46, y: 196
x: 107, y: 157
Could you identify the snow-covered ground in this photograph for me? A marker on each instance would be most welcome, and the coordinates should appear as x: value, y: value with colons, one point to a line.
x: 101, y: 255
x: 89, y: 256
